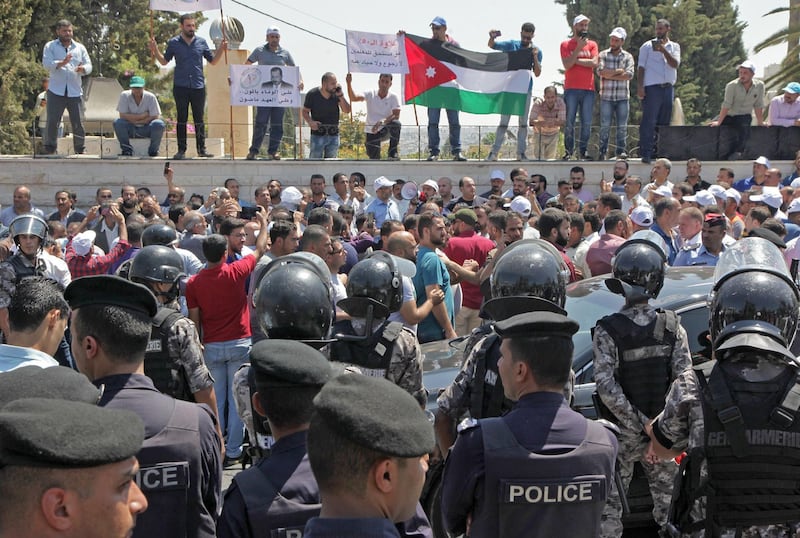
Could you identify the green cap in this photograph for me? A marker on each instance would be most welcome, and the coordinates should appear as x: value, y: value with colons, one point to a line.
x: 137, y: 82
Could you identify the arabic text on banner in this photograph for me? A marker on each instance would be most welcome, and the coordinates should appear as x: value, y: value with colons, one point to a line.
x: 375, y: 53
x: 265, y: 85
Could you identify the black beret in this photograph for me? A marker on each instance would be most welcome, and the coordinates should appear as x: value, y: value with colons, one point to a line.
x: 375, y: 413
x: 537, y: 324
x: 36, y: 432
x: 110, y: 290
x: 290, y: 362
x: 56, y: 382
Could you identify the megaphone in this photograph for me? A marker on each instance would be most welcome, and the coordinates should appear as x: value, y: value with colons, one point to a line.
x: 409, y: 191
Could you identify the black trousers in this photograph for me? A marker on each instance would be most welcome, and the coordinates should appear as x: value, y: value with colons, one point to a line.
x: 197, y: 99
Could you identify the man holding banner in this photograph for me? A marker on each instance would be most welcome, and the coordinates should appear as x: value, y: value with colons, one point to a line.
x: 270, y: 53
x: 189, y: 86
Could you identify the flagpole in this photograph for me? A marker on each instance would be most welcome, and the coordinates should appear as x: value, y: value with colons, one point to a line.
x: 152, y: 34
x: 230, y: 107
x: 419, y: 133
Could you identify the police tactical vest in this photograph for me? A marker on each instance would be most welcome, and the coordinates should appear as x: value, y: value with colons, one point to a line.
x: 269, y: 513
x: 22, y: 270
x: 373, y: 354
x: 645, y: 357
x: 158, y: 364
x: 167, y: 478
x: 548, y: 494
x: 487, y: 398
x: 751, y: 448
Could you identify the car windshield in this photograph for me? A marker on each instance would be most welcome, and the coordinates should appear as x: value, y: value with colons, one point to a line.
x: 587, y: 310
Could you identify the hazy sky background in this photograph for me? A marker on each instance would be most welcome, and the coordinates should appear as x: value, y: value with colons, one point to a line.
x: 469, y: 27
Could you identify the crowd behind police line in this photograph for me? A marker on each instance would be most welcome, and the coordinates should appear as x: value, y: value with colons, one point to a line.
x: 655, y: 70
x: 312, y: 231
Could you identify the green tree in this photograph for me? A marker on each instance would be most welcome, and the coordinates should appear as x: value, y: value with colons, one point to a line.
x: 18, y: 73
x: 708, y: 31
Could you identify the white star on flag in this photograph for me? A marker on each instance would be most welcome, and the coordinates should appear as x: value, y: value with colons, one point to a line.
x: 430, y: 72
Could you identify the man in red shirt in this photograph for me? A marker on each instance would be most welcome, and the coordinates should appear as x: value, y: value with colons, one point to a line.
x: 467, y: 245
x: 580, y: 57
x: 601, y: 252
x: 217, y: 301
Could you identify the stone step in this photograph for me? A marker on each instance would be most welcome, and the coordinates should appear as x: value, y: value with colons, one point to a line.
x: 109, y: 147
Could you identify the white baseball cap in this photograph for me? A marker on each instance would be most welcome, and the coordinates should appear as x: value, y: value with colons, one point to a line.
x: 703, y: 198
x: 432, y: 184
x: 619, y: 32
x: 273, y: 30
x: 382, y: 182
x: 794, y: 207
x: 642, y: 215
x: 664, y: 191
x: 762, y: 160
x: 497, y: 174
x: 579, y: 19
x: 733, y: 193
x: 770, y: 196
x: 82, y: 243
x: 520, y: 205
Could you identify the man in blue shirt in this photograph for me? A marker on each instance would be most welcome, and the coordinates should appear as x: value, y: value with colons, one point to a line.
x: 432, y: 274
x: 271, y: 53
x: 189, y: 85
x: 382, y: 206
x: 525, y: 41
x: 67, y: 62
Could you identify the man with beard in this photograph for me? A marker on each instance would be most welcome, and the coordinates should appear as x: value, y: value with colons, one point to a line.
x: 432, y: 274
x: 150, y: 210
x: 274, y: 187
x: 553, y: 226
x: 519, y: 183
x: 620, y: 174
x: 577, y: 176
x: 615, y: 67
x: 538, y: 184
x: 128, y: 201
x: 189, y: 87
x: 68, y: 62
x: 496, y: 179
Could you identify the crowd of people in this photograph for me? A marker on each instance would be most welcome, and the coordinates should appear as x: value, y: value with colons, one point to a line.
x: 253, y: 309
x: 585, y: 66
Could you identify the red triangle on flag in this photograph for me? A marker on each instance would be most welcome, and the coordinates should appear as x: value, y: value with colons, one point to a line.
x: 424, y: 71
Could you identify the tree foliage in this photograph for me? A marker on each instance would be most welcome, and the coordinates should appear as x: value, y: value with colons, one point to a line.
x: 115, y: 33
x: 789, y: 35
x: 708, y: 31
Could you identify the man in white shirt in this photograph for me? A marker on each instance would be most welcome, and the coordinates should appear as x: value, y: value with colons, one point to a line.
x: 383, y: 114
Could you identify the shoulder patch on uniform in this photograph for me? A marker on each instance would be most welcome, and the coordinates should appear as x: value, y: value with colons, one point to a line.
x: 467, y: 424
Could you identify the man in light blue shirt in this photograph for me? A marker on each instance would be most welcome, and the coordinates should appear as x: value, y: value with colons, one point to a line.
x: 67, y: 61
x: 382, y: 206
x: 524, y: 42
x: 37, y: 318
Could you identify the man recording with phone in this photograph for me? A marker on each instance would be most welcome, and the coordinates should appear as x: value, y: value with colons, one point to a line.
x: 579, y: 56
x: 657, y: 73
x: 321, y: 112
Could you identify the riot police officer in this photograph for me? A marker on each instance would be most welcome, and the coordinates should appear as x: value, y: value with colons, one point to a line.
x: 736, y: 415
x: 292, y: 301
x: 637, y: 353
x: 542, y: 469
x: 368, y: 341
x: 180, y: 459
x: 174, y: 358
x: 529, y: 275
x: 29, y: 233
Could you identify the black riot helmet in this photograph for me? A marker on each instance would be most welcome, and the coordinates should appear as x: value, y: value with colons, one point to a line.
x: 638, y: 267
x: 373, y: 281
x: 28, y: 225
x: 293, y: 299
x: 157, y: 264
x: 530, y: 268
x: 159, y: 234
x: 752, y: 290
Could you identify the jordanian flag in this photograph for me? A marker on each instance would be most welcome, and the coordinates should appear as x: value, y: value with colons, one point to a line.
x: 442, y: 75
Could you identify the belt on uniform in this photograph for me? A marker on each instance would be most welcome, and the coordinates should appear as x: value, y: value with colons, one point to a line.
x: 665, y: 85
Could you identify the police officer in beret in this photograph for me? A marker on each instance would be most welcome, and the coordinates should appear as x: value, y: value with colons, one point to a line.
x: 57, y: 382
x: 368, y: 444
x: 68, y: 469
x: 278, y: 492
x: 542, y: 466
x: 180, y: 458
